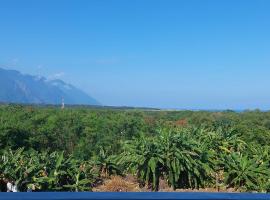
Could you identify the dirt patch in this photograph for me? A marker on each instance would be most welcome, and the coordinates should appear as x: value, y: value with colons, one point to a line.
x: 129, y: 183
x: 118, y: 184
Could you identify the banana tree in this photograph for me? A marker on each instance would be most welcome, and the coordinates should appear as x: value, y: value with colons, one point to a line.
x: 244, y: 172
x: 185, y: 165
x: 106, y: 163
x: 53, y: 173
x: 81, y: 176
x: 172, y: 154
x: 142, y: 157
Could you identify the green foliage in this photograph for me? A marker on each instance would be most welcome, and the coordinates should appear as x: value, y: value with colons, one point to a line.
x: 46, y: 171
x: 243, y: 172
x: 72, y: 149
x: 172, y: 155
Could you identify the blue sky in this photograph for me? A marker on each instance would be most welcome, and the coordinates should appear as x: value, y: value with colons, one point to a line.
x: 193, y: 54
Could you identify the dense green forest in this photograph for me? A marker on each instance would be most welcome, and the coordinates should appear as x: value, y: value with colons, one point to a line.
x: 76, y: 149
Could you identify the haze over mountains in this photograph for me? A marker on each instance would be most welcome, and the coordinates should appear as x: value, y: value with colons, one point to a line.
x: 20, y: 88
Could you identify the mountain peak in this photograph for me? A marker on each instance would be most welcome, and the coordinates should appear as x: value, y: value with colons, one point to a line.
x: 20, y: 88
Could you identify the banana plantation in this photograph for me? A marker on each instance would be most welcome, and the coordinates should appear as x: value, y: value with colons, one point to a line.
x: 76, y: 149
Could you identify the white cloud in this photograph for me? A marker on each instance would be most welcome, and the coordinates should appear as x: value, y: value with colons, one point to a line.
x: 57, y: 75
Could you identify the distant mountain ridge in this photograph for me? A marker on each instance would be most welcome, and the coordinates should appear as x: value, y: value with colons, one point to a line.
x: 16, y: 87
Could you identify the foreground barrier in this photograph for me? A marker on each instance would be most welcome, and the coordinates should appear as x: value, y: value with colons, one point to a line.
x: 131, y: 196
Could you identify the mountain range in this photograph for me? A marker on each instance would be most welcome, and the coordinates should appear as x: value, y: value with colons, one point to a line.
x: 16, y: 87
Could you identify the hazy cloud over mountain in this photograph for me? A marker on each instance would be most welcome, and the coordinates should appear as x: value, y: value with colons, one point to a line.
x: 20, y: 88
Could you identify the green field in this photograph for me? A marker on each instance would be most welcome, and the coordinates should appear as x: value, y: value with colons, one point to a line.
x: 80, y: 148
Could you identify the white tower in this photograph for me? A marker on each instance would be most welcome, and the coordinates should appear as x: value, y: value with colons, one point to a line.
x: 63, y: 103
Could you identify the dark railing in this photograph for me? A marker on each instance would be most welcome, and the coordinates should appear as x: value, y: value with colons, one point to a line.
x: 131, y: 196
